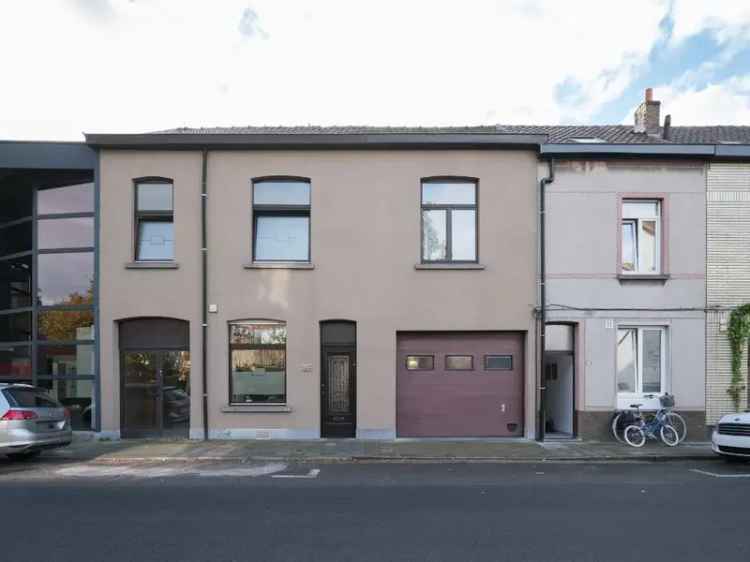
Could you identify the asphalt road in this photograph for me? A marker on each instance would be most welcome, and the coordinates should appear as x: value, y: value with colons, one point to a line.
x: 369, y: 512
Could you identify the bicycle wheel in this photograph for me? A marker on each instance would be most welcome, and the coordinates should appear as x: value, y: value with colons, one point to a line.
x: 669, y: 436
x: 616, y: 426
x: 634, y: 436
x: 678, y: 423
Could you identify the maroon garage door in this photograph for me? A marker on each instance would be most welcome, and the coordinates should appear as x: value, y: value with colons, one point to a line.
x: 460, y: 384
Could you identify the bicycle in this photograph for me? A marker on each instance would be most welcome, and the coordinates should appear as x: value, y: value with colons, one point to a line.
x: 636, y: 434
x: 623, y: 418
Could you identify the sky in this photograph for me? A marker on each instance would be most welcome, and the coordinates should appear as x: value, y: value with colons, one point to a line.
x: 128, y: 66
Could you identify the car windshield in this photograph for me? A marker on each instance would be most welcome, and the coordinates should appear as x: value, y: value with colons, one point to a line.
x: 29, y: 398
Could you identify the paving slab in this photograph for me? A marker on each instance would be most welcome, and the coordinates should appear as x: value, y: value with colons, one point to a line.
x: 352, y: 450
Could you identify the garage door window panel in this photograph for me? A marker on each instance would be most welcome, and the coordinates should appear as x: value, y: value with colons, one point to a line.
x: 449, y: 221
x: 498, y: 362
x: 459, y: 363
x: 420, y: 362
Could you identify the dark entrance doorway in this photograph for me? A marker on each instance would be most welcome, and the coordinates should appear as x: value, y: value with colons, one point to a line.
x: 155, y: 378
x: 338, y: 388
x: 559, y: 382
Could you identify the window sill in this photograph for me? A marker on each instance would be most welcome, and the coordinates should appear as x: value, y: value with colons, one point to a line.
x: 256, y: 409
x: 450, y: 266
x: 152, y: 265
x: 658, y: 277
x: 279, y: 265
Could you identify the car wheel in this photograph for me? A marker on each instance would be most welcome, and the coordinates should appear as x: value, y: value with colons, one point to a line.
x: 26, y: 455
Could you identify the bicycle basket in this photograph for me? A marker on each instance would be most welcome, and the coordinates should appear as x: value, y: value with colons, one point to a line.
x: 667, y: 401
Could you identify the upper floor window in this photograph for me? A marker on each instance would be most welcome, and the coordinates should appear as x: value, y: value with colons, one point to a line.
x: 449, y: 220
x: 154, y: 220
x: 641, y: 236
x: 281, y: 220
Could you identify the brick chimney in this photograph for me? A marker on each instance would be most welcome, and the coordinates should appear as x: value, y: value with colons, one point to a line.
x: 647, y: 115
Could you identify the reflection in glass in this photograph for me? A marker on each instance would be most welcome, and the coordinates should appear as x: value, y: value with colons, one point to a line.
x: 420, y: 362
x: 626, y: 359
x: 647, y: 246
x: 68, y: 199
x: 15, y: 198
x: 15, y: 363
x: 459, y: 362
x: 65, y: 360
x: 281, y: 193
x: 434, y: 235
x: 15, y: 283
x: 258, y: 361
x: 651, y: 360
x: 450, y: 193
x: 628, y: 246
x: 15, y: 327
x: 66, y: 278
x: 258, y: 375
x: 258, y: 333
x: 463, y: 235
x: 66, y: 325
x: 155, y: 240
x: 15, y: 239
x: 282, y: 238
x: 65, y: 233
x: 76, y: 396
x: 155, y: 197
x: 498, y: 362
x: 140, y: 367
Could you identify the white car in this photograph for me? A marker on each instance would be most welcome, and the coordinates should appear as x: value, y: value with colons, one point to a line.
x: 731, y: 436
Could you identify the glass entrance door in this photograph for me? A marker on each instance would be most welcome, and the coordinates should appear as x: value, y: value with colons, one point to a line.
x: 155, y: 394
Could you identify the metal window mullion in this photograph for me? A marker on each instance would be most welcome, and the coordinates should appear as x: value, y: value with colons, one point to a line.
x: 76, y: 215
x: 16, y: 222
x: 11, y: 311
x: 34, y: 285
x: 72, y: 250
x: 449, y: 234
x: 8, y: 257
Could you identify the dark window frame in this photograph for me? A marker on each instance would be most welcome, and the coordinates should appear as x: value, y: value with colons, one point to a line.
x: 149, y: 216
x: 431, y: 356
x: 445, y: 360
x: 251, y: 346
x: 279, y: 211
x: 448, y: 208
x: 488, y: 355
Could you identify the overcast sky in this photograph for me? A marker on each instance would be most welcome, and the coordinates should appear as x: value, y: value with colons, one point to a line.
x: 73, y: 66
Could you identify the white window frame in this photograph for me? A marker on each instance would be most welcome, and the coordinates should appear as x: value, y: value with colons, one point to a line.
x: 635, y: 221
x: 625, y: 399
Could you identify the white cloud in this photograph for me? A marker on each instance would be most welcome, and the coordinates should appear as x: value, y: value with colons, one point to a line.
x: 715, y: 104
x: 728, y: 20
x: 132, y: 65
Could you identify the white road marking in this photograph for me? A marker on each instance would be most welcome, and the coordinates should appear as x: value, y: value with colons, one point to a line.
x: 264, y: 470
x: 104, y: 471
x: 715, y: 475
x: 310, y: 475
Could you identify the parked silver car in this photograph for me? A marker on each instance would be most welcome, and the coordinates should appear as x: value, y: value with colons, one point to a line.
x: 31, y: 421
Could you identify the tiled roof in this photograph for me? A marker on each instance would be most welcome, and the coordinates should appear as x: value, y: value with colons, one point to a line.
x: 564, y: 134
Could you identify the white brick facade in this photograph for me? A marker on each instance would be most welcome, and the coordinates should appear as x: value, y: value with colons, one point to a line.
x: 727, y: 275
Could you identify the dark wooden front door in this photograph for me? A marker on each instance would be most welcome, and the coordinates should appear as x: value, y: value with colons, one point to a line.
x: 338, y: 392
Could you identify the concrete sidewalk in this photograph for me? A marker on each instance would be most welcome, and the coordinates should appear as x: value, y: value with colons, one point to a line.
x: 350, y: 450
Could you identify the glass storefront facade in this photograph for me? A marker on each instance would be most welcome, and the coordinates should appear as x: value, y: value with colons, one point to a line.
x: 48, y: 285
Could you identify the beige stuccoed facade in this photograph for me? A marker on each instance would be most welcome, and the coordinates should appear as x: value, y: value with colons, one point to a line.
x: 365, y: 243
